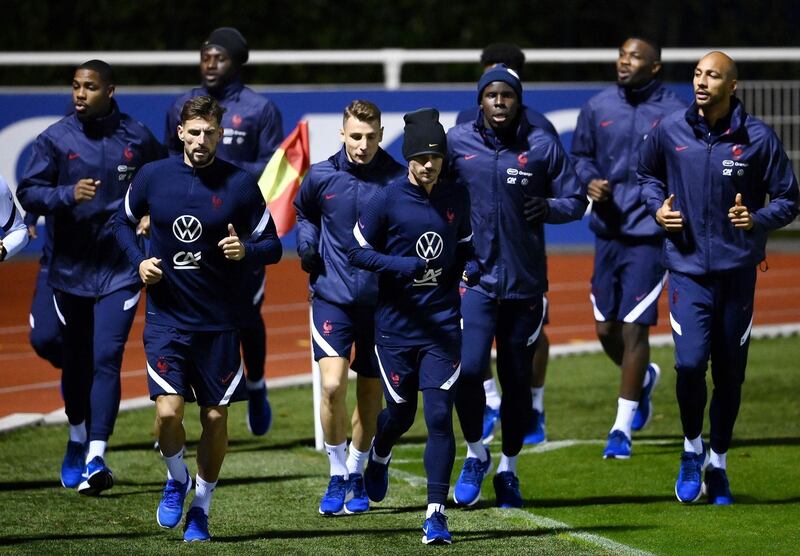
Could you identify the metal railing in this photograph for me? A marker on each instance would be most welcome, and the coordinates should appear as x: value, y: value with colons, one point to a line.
x: 392, y: 59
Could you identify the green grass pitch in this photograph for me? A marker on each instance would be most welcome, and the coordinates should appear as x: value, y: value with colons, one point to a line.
x: 576, y: 502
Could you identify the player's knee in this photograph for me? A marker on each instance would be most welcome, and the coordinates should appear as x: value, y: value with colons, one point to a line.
x: 169, y: 416
x: 214, y: 417
x: 108, y: 355
x: 438, y: 417
x: 333, y: 390
x: 606, y: 331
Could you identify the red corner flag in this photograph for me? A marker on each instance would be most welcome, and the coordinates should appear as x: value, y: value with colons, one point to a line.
x: 281, y: 178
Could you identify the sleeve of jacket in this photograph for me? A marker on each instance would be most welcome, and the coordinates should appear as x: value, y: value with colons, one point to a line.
x: 132, y: 209
x: 370, y: 238
x: 262, y: 245
x: 583, y: 148
x: 14, y: 230
x: 465, y: 249
x: 156, y: 151
x: 39, y: 191
x: 651, y: 172
x: 270, y: 137
x: 171, y: 141
x: 309, y: 216
x: 568, y: 201
x: 781, y: 184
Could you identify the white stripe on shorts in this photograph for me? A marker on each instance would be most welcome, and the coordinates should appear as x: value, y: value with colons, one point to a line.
x: 746, y: 332
x: 132, y: 301
x: 165, y: 386
x: 58, y: 311
x: 320, y: 341
x: 452, y: 380
x: 234, y: 383
x: 533, y: 337
x: 642, y: 306
x: 598, y: 316
x: 395, y: 396
x: 676, y: 326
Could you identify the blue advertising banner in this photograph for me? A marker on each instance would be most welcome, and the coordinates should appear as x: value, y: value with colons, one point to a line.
x: 26, y: 114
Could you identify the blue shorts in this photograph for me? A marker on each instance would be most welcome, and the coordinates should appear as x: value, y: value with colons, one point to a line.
x: 627, y: 280
x: 202, y: 366
x: 408, y: 369
x: 336, y: 328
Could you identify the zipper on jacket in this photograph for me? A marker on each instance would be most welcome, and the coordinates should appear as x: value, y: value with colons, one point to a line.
x: 496, y: 241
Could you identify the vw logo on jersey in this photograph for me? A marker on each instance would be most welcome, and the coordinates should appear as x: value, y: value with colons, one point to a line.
x: 429, y: 246
x: 187, y: 228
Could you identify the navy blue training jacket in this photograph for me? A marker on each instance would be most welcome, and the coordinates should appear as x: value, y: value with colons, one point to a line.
x: 705, y: 171
x: 330, y: 200
x: 499, y: 176
x: 611, y: 129
x: 85, y: 258
x: 419, y: 244
x: 252, y: 123
x: 190, y: 209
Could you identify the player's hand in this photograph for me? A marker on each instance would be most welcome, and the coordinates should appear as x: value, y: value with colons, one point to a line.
x: 32, y: 233
x: 150, y: 271
x: 598, y: 190
x: 232, y: 247
x: 670, y: 220
x: 143, y: 227
x: 472, y: 274
x: 739, y: 216
x: 535, y: 209
x: 85, y: 189
x: 311, y: 262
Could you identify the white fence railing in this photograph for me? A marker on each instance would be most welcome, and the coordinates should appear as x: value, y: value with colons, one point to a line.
x: 392, y: 59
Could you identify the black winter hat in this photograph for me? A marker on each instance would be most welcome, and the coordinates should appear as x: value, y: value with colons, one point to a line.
x: 500, y: 72
x: 230, y: 40
x: 423, y: 134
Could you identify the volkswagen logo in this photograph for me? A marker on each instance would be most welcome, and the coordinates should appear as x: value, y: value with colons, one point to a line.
x: 429, y: 246
x: 187, y: 228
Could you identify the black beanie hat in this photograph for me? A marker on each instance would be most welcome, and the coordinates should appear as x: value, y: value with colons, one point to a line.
x: 423, y: 134
x: 500, y: 72
x: 230, y: 40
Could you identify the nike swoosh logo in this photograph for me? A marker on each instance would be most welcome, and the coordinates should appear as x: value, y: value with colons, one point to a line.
x: 679, y: 149
x: 329, y: 197
x: 469, y: 156
x: 433, y: 144
x: 606, y: 123
x: 73, y: 156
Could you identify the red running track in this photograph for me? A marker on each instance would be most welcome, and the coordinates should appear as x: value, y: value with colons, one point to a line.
x: 30, y: 385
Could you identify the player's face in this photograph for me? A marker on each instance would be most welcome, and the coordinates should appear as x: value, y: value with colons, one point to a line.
x: 361, y: 139
x: 200, y: 138
x: 500, y: 105
x: 713, y: 81
x: 424, y: 169
x: 90, y: 96
x: 636, y: 64
x: 216, y: 67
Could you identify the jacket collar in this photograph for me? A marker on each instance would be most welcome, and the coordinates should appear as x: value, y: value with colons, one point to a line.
x: 342, y: 163
x: 731, y: 125
x: 640, y: 95
x: 517, y: 139
x: 228, y: 91
x: 103, y: 126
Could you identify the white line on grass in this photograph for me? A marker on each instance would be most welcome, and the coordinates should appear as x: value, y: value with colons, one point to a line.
x: 613, y: 547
